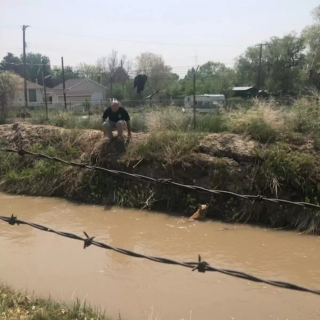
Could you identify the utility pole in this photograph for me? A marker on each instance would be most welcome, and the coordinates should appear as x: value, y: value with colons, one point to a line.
x: 64, y: 85
x: 260, y: 62
x: 194, y: 97
x: 111, y: 84
x: 45, y: 90
x: 24, y: 66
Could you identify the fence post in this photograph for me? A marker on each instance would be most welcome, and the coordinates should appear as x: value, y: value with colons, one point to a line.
x: 194, y: 97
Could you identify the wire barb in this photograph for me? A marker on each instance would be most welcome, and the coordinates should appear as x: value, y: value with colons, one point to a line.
x: 201, y: 265
x: 87, y: 241
x: 13, y: 220
x: 21, y: 152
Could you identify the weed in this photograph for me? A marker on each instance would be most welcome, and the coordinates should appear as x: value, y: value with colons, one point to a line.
x: 15, y: 305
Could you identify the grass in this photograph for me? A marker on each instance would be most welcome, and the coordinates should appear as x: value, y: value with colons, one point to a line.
x: 16, y: 306
x: 169, y: 146
x: 291, y: 170
x: 266, y: 122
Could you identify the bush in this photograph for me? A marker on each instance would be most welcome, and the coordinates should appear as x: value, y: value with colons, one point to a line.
x: 9, y: 83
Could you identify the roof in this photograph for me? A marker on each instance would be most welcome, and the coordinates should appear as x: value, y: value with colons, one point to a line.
x: 69, y: 93
x: 72, y: 83
x: 242, y: 88
x: 69, y: 83
x: 30, y: 85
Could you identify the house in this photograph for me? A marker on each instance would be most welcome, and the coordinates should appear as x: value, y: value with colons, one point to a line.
x: 245, y: 92
x: 34, y: 93
x: 78, y: 91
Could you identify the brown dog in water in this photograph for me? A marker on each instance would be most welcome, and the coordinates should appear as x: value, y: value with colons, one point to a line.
x: 200, y: 214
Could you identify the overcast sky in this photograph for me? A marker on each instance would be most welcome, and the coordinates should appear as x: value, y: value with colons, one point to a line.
x: 184, y: 32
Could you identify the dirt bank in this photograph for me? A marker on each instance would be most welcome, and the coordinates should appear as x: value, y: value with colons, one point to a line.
x: 218, y: 161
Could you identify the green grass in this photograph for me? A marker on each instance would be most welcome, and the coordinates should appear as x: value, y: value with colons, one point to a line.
x: 289, y: 170
x: 170, y: 147
x: 16, y: 306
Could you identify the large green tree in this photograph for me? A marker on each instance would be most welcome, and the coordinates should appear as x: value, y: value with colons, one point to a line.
x: 160, y: 76
x: 36, y: 63
x: 11, y: 63
x: 311, y: 35
x: 282, y: 64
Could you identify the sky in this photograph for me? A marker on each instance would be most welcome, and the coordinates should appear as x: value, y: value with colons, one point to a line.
x: 185, y: 33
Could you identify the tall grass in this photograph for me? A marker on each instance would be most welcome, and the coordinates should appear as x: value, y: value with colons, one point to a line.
x: 67, y: 120
x: 264, y: 121
x: 15, y: 305
x: 168, y: 146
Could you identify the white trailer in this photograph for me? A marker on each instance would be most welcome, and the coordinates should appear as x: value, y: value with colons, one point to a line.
x: 205, y: 103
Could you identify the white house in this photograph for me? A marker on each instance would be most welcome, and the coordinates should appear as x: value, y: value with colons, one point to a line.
x: 34, y: 93
x: 78, y: 91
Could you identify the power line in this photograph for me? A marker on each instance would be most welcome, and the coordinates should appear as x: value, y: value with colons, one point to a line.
x: 201, y: 266
x: 41, y: 29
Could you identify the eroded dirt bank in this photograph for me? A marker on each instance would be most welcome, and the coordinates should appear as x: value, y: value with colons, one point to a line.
x: 219, y: 161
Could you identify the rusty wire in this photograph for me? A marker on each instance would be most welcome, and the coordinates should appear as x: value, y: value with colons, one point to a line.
x: 201, y: 266
x: 123, y: 174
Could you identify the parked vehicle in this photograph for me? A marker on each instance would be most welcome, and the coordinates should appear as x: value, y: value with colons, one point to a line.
x: 205, y: 103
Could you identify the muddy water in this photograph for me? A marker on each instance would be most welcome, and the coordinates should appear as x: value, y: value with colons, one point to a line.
x: 140, y: 289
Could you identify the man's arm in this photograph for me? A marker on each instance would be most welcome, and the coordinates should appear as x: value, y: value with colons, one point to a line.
x: 127, y: 119
x: 105, y: 115
x: 129, y: 128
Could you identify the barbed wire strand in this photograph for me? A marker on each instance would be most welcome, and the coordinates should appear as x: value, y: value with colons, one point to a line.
x: 123, y: 174
x: 201, y: 266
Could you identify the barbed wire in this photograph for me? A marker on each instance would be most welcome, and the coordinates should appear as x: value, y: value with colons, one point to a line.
x: 201, y: 266
x: 139, y: 177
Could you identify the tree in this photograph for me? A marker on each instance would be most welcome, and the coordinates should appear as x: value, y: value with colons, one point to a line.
x: 36, y: 63
x: 11, y: 63
x: 159, y: 74
x: 57, y: 77
x: 90, y: 71
x: 9, y: 83
x: 283, y: 60
x: 115, y: 73
x: 311, y: 35
x: 215, y: 78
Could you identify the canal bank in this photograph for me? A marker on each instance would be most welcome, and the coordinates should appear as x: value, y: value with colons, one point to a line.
x: 217, y: 161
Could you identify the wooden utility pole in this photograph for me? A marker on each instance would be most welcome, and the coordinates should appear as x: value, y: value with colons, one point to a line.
x: 259, y: 73
x: 194, y: 96
x: 24, y: 66
x: 45, y: 91
x: 260, y: 67
x: 64, y: 85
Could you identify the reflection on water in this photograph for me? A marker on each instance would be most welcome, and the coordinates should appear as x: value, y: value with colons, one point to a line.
x: 60, y: 267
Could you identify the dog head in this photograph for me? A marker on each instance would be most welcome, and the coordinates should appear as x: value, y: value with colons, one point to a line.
x: 203, y: 209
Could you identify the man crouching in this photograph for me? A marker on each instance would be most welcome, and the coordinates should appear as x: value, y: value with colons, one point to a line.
x: 115, y: 118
